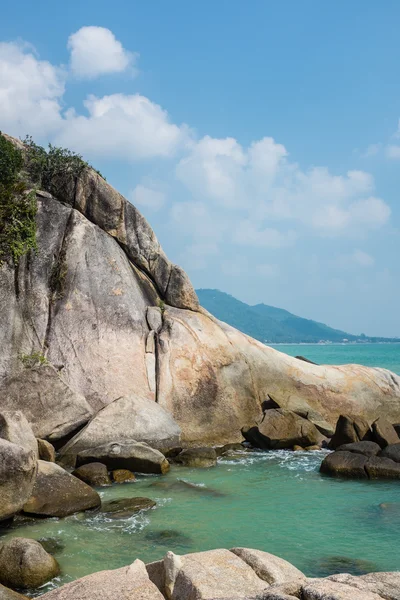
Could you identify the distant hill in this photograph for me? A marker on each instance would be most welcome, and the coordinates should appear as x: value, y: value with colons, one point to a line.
x: 270, y: 324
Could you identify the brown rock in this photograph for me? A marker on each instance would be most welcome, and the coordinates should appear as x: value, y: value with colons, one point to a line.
x: 25, y: 564
x: 7, y: 594
x: 46, y: 451
x: 365, y: 448
x: 379, y: 467
x: 392, y: 451
x: 122, y: 476
x: 384, y: 433
x: 56, y: 493
x: 94, y: 474
x: 134, y: 456
x: 349, y: 431
x: 387, y: 585
x: 197, y: 457
x: 345, y: 464
x: 280, y: 428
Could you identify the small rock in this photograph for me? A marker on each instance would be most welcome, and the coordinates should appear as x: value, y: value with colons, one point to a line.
x: 154, y: 318
x: 384, y: 433
x: 94, y: 474
x: 312, y: 448
x: 122, y: 476
x: 25, y: 564
x: 126, y: 507
x: 365, y: 448
x: 229, y: 449
x: 56, y: 493
x: 46, y: 451
x: 197, y: 457
x: 344, y: 464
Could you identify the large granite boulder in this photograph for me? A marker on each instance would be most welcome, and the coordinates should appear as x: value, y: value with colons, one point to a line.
x: 384, y: 433
x: 134, y: 456
x: 126, y: 419
x: 15, y: 428
x: 130, y: 583
x: 379, y: 467
x: 345, y: 464
x: 365, y: 448
x: 209, y: 576
x: 24, y: 563
x: 281, y: 428
x: 349, y: 431
x: 268, y: 567
x: 17, y: 477
x: 56, y: 493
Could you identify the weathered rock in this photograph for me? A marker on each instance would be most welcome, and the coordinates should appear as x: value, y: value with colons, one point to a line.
x: 15, y: 428
x: 17, y: 477
x: 124, y: 420
x: 127, y: 583
x: 94, y: 474
x: 326, y: 589
x: 46, y: 451
x: 378, y: 467
x: 25, y: 564
x: 156, y: 573
x: 268, y: 567
x: 52, y: 408
x: 134, y: 456
x: 392, y: 451
x: 345, y: 464
x: 209, y: 576
x: 154, y: 318
x: 312, y: 448
x: 229, y: 449
x: 280, y: 428
x: 284, y: 591
x: 123, y: 508
x: 387, y: 585
x: 197, y: 457
x: 384, y: 433
x: 122, y: 476
x: 56, y: 493
x: 365, y: 448
x: 7, y: 594
x: 348, y: 431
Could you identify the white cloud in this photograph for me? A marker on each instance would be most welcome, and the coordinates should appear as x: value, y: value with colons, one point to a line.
x: 148, y: 197
x: 357, y: 258
x: 127, y: 127
x: 30, y: 92
x: 95, y: 51
x: 363, y: 259
x: 248, y: 234
x: 393, y: 151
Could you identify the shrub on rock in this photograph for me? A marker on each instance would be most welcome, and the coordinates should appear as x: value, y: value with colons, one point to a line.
x: 56, y: 493
x: 25, y: 564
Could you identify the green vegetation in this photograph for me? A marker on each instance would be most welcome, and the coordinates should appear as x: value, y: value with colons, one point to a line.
x: 161, y: 305
x: 36, y: 359
x: 17, y: 206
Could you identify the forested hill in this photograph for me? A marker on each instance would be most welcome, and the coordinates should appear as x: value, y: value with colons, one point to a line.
x: 270, y: 324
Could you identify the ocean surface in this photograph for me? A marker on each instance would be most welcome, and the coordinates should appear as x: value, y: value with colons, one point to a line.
x: 273, y: 501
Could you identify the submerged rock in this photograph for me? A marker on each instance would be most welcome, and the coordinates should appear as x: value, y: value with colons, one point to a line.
x: 332, y: 565
x: 17, y: 477
x: 169, y: 536
x: 134, y: 456
x: 56, y: 493
x: 25, y: 564
x: 52, y: 545
x: 126, y: 507
x: 94, y: 474
x: 197, y: 457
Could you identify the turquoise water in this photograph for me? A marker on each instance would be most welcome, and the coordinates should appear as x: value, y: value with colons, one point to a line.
x: 274, y: 501
x: 386, y: 356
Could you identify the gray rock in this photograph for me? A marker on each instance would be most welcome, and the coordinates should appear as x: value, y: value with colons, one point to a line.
x: 151, y: 343
x: 7, y: 594
x: 392, y: 451
x: 280, y: 428
x: 378, y: 467
x: 365, y: 448
x: 130, y: 582
x: 25, y: 564
x: 269, y: 568
x: 17, y: 477
x: 326, y: 589
x: 94, y: 474
x: 154, y: 318
x: 46, y: 451
x: 345, y: 464
x: 387, y: 585
x: 15, y: 428
x: 56, y: 493
x: 134, y: 456
x: 384, y: 433
x: 126, y: 419
x: 197, y: 457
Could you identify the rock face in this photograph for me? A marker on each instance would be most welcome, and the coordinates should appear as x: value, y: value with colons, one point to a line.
x: 282, y: 429
x: 130, y: 583
x: 25, y: 564
x: 17, y: 477
x: 134, y: 456
x: 108, y: 316
x: 56, y: 493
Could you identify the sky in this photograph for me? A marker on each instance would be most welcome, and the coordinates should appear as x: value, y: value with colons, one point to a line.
x: 260, y: 139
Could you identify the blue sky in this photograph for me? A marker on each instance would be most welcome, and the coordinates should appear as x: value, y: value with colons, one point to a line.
x: 261, y: 140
